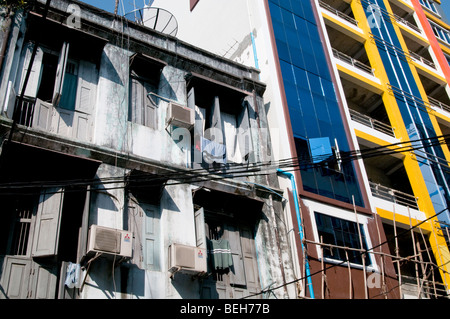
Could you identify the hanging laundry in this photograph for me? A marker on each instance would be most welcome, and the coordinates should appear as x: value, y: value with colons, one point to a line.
x: 73, y: 276
x: 220, y: 252
x: 213, y: 152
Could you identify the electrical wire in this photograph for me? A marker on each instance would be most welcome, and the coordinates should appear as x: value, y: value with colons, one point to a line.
x: 182, y: 176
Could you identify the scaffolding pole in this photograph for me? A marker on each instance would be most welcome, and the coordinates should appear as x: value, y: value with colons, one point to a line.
x: 415, y: 253
x: 363, y: 256
x: 382, y: 260
x: 397, y: 254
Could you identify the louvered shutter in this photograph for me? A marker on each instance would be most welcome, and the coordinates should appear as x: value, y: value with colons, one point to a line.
x: 48, y: 219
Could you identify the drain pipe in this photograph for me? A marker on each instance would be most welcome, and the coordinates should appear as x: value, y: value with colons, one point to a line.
x: 297, y: 210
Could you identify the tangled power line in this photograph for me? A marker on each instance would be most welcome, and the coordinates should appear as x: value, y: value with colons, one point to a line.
x: 174, y: 176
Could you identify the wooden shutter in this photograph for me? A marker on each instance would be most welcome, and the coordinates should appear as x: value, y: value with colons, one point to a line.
x: 60, y: 73
x: 48, y: 219
x: 136, y: 103
x: 87, y: 87
x: 150, y: 237
x: 200, y: 232
x: 244, y: 138
x: 85, y: 101
x: 149, y: 106
x: 249, y: 258
x: 15, y: 278
x: 198, y: 127
x: 237, y: 275
x: 43, y: 281
x: 42, y: 116
x: 33, y: 81
x: 231, y: 142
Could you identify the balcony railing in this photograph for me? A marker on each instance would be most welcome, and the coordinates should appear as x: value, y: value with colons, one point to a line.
x: 372, y: 123
x: 393, y: 195
x: 25, y: 111
x: 417, y: 57
x: 438, y: 104
x: 348, y: 59
x: 338, y: 13
x: 407, y: 23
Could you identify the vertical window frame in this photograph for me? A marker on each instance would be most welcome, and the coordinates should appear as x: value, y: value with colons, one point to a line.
x: 345, y: 216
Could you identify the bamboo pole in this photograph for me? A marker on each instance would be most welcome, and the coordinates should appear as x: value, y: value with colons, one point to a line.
x: 398, y: 256
x: 444, y: 278
x: 363, y: 256
x: 429, y: 258
x: 382, y: 261
x: 349, y: 276
x: 416, y: 266
x: 323, y: 270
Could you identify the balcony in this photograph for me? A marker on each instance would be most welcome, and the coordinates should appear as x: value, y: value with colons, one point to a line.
x: 25, y: 111
x: 438, y: 104
x: 394, y: 196
x: 372, y: 123
x: 421, y: 59
x: 407, y: 23
x: 338, y: 13
x: 353, y: 62
x: 404, y: 15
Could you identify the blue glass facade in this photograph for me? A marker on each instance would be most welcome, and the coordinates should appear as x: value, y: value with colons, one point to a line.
x: 311, y: 98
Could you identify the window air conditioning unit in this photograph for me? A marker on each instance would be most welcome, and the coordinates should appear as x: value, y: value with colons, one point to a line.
x: 110, y: 241
x: 187, y: 259
x: 180, y: 116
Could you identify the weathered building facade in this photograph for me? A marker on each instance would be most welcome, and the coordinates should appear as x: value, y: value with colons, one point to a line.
x: 128, y: 157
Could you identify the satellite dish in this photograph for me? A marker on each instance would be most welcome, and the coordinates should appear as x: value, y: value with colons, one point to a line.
x: 155, y: 18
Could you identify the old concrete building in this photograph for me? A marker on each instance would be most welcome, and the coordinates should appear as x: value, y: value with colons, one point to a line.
x: 128, y: 158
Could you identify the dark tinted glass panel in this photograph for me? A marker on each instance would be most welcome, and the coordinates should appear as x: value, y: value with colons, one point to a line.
x: 312, y: 101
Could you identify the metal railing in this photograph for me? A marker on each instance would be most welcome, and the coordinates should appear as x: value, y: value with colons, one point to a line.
x: 25, y: 111
x: 393, y: 195
x: 338, y: 13
x: 407, y: 23
x: 372, y: 123
x: 438, y: 104
x: 348, y: 59
x: 415, y: 56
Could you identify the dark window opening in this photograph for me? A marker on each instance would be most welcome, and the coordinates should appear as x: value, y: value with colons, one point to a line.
x: 342, y: 233
x: 144, y: 83
x: 47, y: 82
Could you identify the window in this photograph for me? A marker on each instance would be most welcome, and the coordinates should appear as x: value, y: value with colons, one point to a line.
x: 144, y: 80
x: 144, y: 223
x: 222, y: 128
x: 225, y: 225
x: 58, y: 80
x: 430, y: 5
x: 440, y: 32
x: 342, y: 233
x: 144, y: 215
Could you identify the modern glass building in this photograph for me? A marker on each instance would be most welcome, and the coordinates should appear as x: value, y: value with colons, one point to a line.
x: 358, y: 95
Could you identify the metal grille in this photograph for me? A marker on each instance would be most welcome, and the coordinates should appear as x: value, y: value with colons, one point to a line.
x: 22, y: 230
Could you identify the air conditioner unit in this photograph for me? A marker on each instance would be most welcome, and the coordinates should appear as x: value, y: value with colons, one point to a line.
x: 187, y: 259
x: 180, y: 116
x: 110, y: 241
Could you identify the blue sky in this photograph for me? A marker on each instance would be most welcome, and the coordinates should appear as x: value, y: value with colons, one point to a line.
x: 127, y: 5
x: 108, y: 5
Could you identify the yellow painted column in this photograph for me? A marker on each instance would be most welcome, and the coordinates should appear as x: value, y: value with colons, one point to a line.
x: 436, y: 240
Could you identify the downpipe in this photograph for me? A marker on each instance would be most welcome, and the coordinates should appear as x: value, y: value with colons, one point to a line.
x: 297, y: 211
